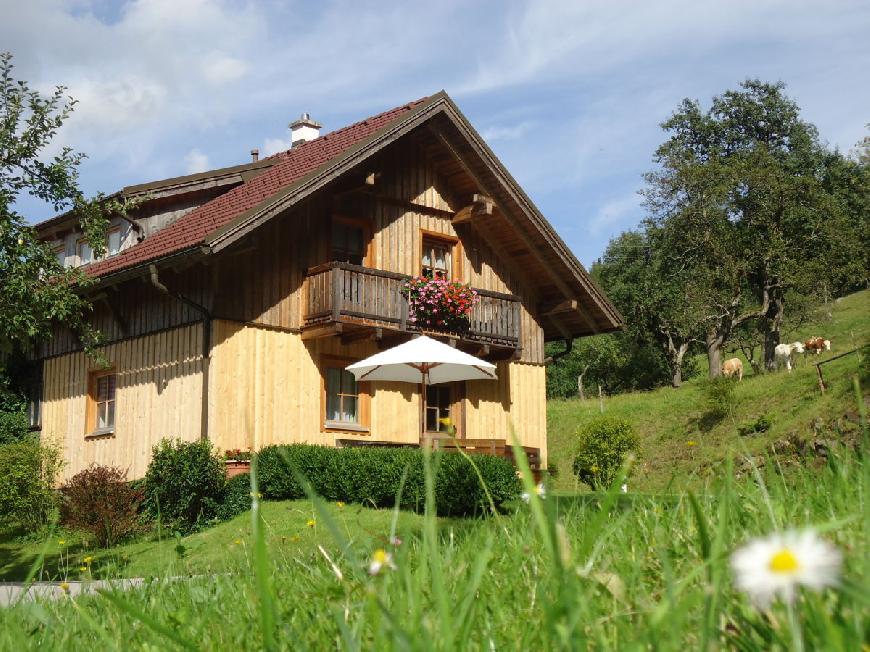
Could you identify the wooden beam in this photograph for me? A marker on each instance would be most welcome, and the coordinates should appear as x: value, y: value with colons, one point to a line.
x: 480, y: 205
x: 375, y: 333
x: 567, y: 305
x: 521, y: 233
x: 316, y: 332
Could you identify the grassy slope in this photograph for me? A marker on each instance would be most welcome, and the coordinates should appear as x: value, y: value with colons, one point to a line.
x: 667, y: 419
x: 224, y: 547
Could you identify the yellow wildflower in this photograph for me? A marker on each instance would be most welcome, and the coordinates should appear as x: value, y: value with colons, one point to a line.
x: 61, y: 542
x: 88, y: 560
x: 381, y: 559
x: 691, y: 442
x: 64, y: 586
x: 311, y: 522
x: 238, y: 542
x: 340, y: 504
x: 83, y: 569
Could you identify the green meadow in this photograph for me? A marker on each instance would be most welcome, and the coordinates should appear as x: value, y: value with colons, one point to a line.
x: 575, y: 570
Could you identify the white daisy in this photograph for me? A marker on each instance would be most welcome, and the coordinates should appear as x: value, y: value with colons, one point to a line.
x: 778, y: 564
x: 380, y: 560
x: 540, y: 492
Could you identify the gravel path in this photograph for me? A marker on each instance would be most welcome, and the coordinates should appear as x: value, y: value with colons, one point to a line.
x: 11, y: 592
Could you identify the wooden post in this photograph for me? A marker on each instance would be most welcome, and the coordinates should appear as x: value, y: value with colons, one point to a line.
x: 821, y: 380
x: 600, y: 399
x: 336, y: 293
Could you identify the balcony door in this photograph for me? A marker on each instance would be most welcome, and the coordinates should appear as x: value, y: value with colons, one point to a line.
x: 351, y: 240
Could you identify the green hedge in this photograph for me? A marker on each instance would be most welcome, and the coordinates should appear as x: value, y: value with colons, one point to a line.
x: 27, y: 476
x: 371, y: 476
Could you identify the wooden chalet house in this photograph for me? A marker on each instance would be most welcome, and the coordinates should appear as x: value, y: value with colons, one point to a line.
x: 233, y: 299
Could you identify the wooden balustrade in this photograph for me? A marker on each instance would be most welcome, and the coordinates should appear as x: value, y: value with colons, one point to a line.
x: 341, y: 292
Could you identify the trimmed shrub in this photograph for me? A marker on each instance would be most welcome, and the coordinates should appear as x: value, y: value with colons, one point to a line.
x: 372, y: 476
x: 183, y: 481
x: 236, y: 498
x: 27, y: 475
x: 605, y: 442
x: 99, y: 500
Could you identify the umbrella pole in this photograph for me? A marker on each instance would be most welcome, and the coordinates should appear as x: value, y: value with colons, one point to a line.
x: 423, y: 375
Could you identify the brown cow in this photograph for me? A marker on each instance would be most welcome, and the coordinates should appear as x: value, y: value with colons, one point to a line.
x: 817, y: 345
x: 731, y: 367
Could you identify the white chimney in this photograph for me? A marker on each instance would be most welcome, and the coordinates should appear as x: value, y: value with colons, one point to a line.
x: 303, y: 129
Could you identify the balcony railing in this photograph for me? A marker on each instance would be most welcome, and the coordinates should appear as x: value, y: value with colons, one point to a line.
x: 345, y: 293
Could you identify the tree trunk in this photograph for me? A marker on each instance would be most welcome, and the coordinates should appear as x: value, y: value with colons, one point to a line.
x: 772, y: 324
x: 677, y: 365
x: 580, y: 383
x: 714, y: 353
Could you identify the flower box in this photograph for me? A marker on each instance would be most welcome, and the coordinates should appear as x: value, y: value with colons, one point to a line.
x: 439, y: 305
x: 237, y: 467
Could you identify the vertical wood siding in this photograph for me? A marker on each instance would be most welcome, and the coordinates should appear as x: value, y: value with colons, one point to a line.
x: 265, y: 388
x: 263, y: 280
x: 159, y: 394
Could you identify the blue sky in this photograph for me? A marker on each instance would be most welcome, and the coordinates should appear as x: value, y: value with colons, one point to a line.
x: 568, y: 94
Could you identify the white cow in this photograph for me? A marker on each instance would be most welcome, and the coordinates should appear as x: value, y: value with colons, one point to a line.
x: 783, y: 352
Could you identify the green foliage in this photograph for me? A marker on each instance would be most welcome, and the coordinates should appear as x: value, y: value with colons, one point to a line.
x: 720, y: 396
x: 184, y: 479
x: 27, y: 475
x: 759, y: 425
x: 372, y: 476
x: 235, y: 499
x: 100, y: 501
x: 605, y: 443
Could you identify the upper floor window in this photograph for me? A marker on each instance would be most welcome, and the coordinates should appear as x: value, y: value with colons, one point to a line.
x: 85, y: 252
x: 349, y: 241
x: 101, y: 401
x: 60, y: 254
x: 437, y: 258
x: 113, y: 244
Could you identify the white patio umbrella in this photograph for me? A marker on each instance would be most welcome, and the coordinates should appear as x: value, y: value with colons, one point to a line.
x: 424, y: 361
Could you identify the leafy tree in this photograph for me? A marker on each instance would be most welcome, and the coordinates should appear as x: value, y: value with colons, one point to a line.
x: 652, y: 295
x: 35, y: 290
x: 738, y: 204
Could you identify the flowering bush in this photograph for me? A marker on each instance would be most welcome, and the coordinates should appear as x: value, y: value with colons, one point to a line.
x: 439, y: 304
x: 238, y: 455
x: 99, y: 500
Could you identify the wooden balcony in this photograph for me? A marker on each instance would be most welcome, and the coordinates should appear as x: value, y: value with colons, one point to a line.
x: 359, y: 302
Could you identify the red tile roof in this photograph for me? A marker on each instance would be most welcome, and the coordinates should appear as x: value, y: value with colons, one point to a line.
x: 190, y: 230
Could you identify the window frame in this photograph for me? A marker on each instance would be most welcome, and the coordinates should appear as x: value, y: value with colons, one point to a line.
x: 363, y: 399
x: 109, y: 232
x: 57, y: 250
x: 82, y: 261
x: 93, y: 403
x: 452, y: 244
x: 357, y: 222
x: 457, y: 410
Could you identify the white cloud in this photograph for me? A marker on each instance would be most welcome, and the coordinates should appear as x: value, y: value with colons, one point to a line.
x: 220, y: 69
x: 195, y: 161
x: 506, y: 132
x: 274, y: 145
x: 615, y: 215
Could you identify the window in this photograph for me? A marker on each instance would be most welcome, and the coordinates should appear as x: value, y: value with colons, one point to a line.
x: 85, y: 252
x: 349, y: 241
x: 113, y: 244
x: 437, y: 259
x: 346, y: 402
x: 34, y: 404
x: 60, y: 254
x: 439, y: 400
x: 101, y: 402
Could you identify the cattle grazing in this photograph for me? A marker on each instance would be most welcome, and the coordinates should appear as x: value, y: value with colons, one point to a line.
x: 817, y: 345
x: 783, y: 352
x: 732, y: 367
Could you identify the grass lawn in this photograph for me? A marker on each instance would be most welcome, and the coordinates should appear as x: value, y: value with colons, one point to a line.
x: 225, y: 547
x: 668, y: 419
x: 596, y: 572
